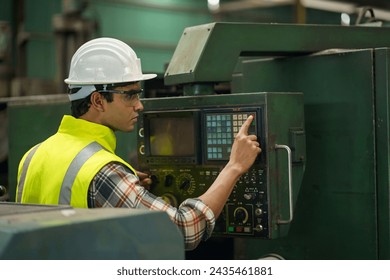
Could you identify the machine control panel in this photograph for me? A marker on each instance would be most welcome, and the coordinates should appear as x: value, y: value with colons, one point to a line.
x: 185, y: 147
x: 245, y: 212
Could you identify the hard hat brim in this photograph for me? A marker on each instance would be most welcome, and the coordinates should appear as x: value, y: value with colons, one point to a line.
x: 148, y: 76
x: 78, y: 82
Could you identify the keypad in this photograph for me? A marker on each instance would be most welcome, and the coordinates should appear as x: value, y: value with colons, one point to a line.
x: 221, y: 128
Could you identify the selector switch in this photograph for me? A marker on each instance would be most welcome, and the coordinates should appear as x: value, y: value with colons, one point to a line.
x: 185, y: 184
x: 241, y: 215
x: 258, y: 212
x: 259, y: 228
x: 168, y: 180
x: 155, y: 181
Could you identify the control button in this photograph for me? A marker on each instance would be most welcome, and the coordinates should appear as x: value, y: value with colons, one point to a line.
x: 248, y: 196
x: 230, y: 229
x: 253, y: 179
x: 168, y: 180
x: 239, y: 229
x: 258, y: 212
x: 247, y: 229
x: 155, y: 181
x: 259, y: 228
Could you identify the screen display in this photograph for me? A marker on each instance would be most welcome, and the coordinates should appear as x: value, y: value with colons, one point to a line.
x: 172, y: 136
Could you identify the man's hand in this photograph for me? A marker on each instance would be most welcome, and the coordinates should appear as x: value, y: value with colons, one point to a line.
x: 245, y: 148
x: 244, y: 152
x: 144, y: 179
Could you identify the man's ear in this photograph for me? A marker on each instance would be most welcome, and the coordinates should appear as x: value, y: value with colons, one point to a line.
x: 98, y: 101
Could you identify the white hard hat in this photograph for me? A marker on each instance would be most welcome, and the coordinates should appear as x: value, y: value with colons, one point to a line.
x: 105, y: 61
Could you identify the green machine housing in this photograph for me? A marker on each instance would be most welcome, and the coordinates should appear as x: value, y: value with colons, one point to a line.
x: 52, y: 232
x: 185, y: 141
x: 342, y: 207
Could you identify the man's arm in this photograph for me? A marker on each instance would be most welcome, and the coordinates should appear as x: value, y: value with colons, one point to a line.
x: 244, y: 152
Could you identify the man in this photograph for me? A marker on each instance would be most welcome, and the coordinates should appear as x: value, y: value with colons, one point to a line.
x: 77, y: 166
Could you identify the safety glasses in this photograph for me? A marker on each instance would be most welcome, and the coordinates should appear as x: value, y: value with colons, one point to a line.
x: 138, y: 92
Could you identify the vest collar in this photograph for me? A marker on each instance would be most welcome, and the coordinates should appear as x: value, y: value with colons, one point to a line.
x: 104, y: 135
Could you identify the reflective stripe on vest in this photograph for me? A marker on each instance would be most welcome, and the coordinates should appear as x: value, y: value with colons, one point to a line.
x: 70, y: 175
x: 23, y: 173
x: 73, y: 169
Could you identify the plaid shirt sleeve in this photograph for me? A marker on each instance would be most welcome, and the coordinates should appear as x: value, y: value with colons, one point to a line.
x: 116, y: 186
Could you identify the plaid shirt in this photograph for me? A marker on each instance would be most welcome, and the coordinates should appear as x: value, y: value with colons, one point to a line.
x: 116, y: 186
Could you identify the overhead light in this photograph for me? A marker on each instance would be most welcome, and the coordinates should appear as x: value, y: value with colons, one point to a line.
x: 213, y: 5
x: 345, y: 19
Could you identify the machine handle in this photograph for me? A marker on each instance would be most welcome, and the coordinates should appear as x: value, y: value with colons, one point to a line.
x: 290, y: 196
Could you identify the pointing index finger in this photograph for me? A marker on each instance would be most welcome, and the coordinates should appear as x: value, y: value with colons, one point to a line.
x: 245, y: 126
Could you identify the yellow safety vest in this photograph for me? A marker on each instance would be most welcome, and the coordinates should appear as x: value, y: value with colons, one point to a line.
x: 60, y: 169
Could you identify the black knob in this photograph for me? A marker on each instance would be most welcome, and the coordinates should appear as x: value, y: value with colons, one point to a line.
x: 241, y: 215
x: 168, y: 180
x: 3, y: 190
x: 155, y: 181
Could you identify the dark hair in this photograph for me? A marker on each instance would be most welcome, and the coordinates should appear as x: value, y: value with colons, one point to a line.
x: 81, y: 106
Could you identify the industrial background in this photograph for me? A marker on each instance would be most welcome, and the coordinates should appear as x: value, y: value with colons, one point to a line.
x: 341, y: 207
